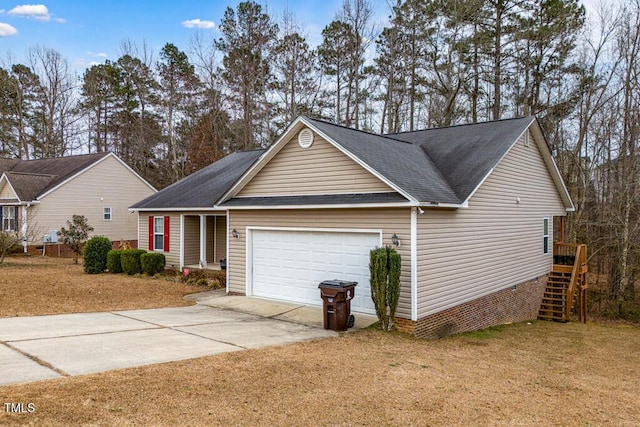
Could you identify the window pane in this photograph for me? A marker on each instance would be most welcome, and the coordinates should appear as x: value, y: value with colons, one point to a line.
x: 546, y: 227
x: 159, y: 225
x: 546, y: 245
x: 159, y: 242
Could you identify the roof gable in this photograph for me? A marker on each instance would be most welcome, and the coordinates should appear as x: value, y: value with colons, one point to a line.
x: 28, y: 186
x: 33, y: 178
x: 320, y: 168
x: 7, y: 193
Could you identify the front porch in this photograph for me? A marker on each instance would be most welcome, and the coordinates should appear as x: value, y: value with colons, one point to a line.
x: 204, y: 242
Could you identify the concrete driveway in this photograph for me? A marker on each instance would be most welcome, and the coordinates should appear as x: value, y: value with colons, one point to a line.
x: 44, y: 347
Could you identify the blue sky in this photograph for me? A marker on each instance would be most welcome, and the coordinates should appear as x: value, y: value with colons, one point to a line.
x: 88, y: 31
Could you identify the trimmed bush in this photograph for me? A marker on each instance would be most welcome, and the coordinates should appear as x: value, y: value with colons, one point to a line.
x: 384, y: 269
x: 130, y: 260
x: 152, y: 263
x: 113, y: 261
x: 95, y: 254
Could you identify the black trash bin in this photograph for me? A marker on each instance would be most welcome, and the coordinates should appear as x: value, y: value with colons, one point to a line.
x: 336, y: 303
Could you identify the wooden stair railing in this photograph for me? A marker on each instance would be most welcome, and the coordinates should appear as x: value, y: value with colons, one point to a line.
x: 566, y: 285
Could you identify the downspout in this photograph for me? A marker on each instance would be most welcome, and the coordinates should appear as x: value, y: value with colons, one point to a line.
x: 414, y: 264
x: 24, y: 227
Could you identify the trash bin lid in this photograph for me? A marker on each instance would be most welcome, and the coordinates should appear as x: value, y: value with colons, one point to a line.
x: 335, y: 283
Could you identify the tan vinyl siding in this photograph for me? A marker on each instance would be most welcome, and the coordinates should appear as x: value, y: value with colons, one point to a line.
x: 6, y: 192
x: 106, y: 184
x: 496, y: 242
x: 173, y: 256
x: 390, y: 221
x: 319, y: 169
x: 191, y: 240
x: 220, y: 238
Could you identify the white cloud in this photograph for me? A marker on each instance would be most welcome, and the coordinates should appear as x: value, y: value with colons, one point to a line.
x: 98, y: 54
x: 60, y: 20
x: 198, y: 23
x: 38, y: 12
x: 7, y: 30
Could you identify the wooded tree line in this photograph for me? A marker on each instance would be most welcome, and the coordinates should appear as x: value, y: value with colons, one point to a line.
x: 432, y: 63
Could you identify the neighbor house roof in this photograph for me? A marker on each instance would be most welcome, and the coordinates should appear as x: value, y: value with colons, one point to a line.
x: 203, y: 188
x: 32, y: 178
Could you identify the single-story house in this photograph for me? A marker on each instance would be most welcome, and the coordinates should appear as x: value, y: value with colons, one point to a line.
x: 38, y: 197
x: 470, y: 208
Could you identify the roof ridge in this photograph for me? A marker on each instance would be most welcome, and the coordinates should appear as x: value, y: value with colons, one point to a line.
x: 29, y: 173
x: 460, y: 125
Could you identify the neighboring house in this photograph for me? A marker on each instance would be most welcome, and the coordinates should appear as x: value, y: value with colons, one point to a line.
x: 470, y: 209
x: 37, y: 197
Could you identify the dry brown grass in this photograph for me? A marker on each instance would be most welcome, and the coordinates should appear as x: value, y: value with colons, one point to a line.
x: 525, y: 375
x: 33, y: 285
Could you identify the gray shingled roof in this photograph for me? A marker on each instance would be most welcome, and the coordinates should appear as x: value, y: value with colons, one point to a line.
x: 404, y: 164
x: 465, y: 154
x: 443, y: 165
x: 322, y: 199
x: 32, y: 178
x: 203, y: 188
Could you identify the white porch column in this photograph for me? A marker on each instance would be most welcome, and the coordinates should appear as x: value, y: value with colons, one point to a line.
x: 24, y: 227
x: 203, y: 241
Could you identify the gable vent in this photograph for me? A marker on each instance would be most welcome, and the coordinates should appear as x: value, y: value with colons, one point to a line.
x: 305, y: 138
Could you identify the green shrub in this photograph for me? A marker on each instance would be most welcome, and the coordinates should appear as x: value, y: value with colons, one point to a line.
x: 130, y: 260
x: 384, y: 269
x: 113, y: 261
x: 95, y: 254
x: 152, y: 263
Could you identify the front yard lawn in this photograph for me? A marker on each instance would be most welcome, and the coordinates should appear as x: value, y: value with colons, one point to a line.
x: 538, y: 373
x: 518, y: 375
x: 33, y: 285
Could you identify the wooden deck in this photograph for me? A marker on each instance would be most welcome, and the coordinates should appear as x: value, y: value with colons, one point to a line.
x: 567, y: 284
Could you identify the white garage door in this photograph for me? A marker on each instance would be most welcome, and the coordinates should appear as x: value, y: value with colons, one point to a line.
x: 289, y: 265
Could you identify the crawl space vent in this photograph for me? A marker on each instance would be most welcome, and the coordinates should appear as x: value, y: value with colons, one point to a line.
x: 305, y: 138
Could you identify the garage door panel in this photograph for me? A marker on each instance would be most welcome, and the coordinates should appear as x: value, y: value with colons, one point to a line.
x: 289, y: 265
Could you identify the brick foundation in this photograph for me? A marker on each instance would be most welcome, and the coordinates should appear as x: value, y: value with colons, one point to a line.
x: 515, y: 304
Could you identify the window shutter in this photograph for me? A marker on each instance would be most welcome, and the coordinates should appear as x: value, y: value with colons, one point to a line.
x: 151, y: 232
x: 166, y: 234
x: 15, y: 218
x: 1, y: 219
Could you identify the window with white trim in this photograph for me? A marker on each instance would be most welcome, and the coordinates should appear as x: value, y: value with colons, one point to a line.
x: 8, y: 218
x: 545, y: 235
x: 158, y: 233
x: 106, y: 214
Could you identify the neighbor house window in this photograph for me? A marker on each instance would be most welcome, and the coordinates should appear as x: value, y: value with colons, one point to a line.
x: 545, y: 235
x: 159, y: 233
x: 106, y: 214
x: 9, y: 218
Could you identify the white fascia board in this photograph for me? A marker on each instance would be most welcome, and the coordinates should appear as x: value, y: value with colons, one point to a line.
x: 340, y: 206
x: 360, y: 162
x: 463, y: 205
